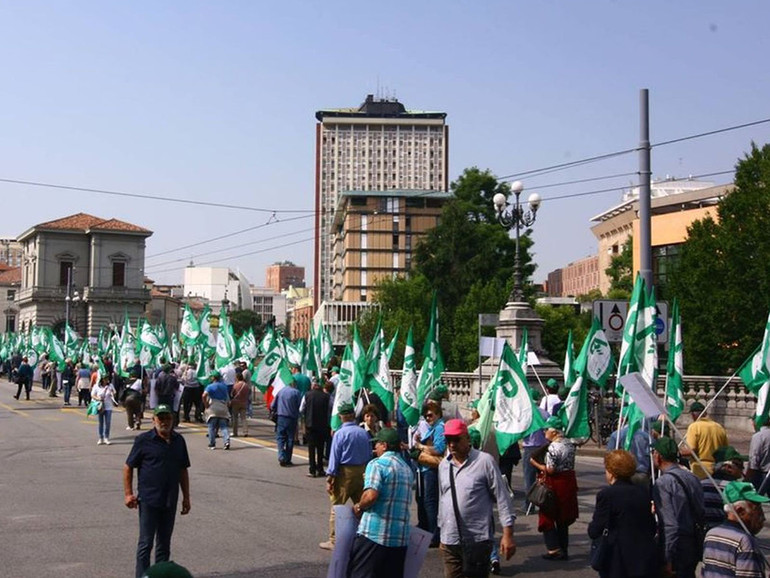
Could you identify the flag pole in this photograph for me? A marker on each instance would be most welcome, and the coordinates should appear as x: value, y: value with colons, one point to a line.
x: 538, y: 378
x: 721, y: 389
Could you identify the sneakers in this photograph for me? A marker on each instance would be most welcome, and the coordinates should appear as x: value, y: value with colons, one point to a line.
x: 129, y: 428
x: 212, y: 447
x: 227, y: 446
x: 494, y: 567
x: 100, y: 442
x: 326, y: 545
x: 106, y: 441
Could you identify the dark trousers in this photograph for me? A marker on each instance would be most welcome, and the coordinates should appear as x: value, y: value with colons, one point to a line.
x: 427, y: 503
x: 192, y: 396
x: 529, y: 471
x: 154, y: 523
x: 84, y: 397
x: 371, y: 560
x: 557, y: 538
x: 316, y: 440
x: 45, y: 380
x: 27, y: 385
x: 453, y: 560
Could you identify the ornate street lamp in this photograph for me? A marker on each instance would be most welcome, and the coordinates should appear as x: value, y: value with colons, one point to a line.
x: 517, y: 218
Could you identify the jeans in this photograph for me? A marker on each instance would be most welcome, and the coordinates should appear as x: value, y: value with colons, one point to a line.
x: 530, y: 473
x: 67, y: 391
x: 154, y: 522
x: 286, y: 427
x: 105, y: 419
x: 216, y: 424
x: 427, y: 502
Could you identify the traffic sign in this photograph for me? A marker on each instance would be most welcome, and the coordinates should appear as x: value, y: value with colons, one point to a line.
x: 612, y: 314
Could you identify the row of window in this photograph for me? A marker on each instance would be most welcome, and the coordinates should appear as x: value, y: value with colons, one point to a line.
x: 118, y: 273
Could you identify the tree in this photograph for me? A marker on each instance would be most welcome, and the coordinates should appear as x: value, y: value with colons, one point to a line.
x: 722, y: 279
x: 559, y: 321
x: 620, y: 272
x: 242, y: 319
x: 468, y: 258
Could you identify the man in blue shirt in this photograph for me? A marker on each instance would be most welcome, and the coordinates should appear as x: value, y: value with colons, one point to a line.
x: 286, y: 406
x: 640, y: 448
x: 380, y: 546
x: 216, y: 399
x: 351, y: 450
x: 161, y: 457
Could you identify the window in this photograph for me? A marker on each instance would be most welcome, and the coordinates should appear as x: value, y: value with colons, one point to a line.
x: 358, y: 201
x: 10, y: 323
x: 10, y: 295
x: 65, y: 270
x: 118, y: 274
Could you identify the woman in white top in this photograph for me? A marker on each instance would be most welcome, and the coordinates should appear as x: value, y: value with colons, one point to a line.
x: 105, y: 394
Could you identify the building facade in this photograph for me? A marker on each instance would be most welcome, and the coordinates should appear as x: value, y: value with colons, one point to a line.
x: 10, y: 281
x: 374, y: 234
x: 217, y: 286
x: 672, y: 210
x: 580, y: 277
x: 378, y: 146
x: 270, y: 305
x: 280, y: 276
x: 89, y: 267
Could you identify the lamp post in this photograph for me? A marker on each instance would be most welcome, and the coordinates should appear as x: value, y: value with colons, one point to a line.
x: 517, y: 218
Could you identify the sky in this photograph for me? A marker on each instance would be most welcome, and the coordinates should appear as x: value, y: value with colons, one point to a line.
x: 213, y: 103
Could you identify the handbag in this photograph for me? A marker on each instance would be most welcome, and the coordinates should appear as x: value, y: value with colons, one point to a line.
x: 475, y: 553
x: 218, y: 408
x: 93, y: 408
x: 542, y: 496
x: 600, y: 552
x: 699, y: 525
x: 429, y: 460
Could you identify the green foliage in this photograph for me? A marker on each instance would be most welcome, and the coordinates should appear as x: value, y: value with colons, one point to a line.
x: 589, y: 297
x: 558, y: 323
x: 242, y: 319
x: 620, y: 271
x: 468, y: 258
x: 723, y: 279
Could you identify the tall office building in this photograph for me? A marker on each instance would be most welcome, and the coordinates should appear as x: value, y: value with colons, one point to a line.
x: 378, y: 146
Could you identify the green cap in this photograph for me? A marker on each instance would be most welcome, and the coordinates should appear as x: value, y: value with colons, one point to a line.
x: 167, y: 570
x: 552, y: 384
x: 435, y: 395
x: 696, y: 406
x: 667, y: 448
x: 163, y: 408
x: 554, y: 422
x: 473, y: 404
x: 737, y: 491
x: 387, y: 435
x: 346, y: 408
x: 336, y: 369
x: 728, y: 454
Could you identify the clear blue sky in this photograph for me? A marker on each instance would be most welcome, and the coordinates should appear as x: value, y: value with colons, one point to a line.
x: 215, y: 101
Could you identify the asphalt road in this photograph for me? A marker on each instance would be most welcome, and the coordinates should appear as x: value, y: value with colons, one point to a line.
x: 63, y: 515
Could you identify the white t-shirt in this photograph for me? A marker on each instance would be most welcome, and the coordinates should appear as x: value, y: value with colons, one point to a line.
x: 549, y: 402
x: 105, y: 393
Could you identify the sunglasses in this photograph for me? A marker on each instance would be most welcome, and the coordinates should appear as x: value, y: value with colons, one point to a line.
x: 429, y: 414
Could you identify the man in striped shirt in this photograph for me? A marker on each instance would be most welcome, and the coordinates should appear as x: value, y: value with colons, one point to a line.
x: 383, y: 534
x: 728, y: 549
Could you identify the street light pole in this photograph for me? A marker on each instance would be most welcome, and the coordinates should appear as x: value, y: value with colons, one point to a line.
x: 516, y: 217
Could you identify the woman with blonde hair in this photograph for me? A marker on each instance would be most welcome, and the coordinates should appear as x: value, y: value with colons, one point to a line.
x: 623, y: 512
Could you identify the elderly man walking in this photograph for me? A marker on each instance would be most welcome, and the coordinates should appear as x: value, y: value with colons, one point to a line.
x: 728, y: 549
x: 286, y: 405
x: 351, y: 450
x: 469, y: 485
x: 678, y: 497
x: 379, y: 549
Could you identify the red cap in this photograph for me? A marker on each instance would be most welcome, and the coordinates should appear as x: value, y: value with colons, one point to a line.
x: 455, y: 427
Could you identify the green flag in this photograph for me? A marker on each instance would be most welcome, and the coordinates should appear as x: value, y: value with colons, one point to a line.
x: 674, y: 367
x: 327, y: 347
x: 524, y: 351
x: 247, y: 344
x: 599, y: 363
x: 627, y: 361
x: 433, y: 362
x: 574, y: 412
x: 752, y: 372
x: 569, y: 359
x: 206, y: 337
x: 189, y: 330
x: 344, y: 391
x: 266, y: 369
x: 408, y: 395
x: 486, y: 409
x: 226, y: 350
x: 515, y: 414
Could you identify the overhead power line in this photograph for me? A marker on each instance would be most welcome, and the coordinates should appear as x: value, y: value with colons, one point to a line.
x: 152, y: 197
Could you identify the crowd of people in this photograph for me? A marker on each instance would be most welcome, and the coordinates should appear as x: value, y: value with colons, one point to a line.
x: 668, y: 505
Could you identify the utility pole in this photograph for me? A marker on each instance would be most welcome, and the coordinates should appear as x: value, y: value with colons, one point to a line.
x: 645, y: 235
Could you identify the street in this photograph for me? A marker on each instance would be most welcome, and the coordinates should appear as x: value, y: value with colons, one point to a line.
x: 63, y: 512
